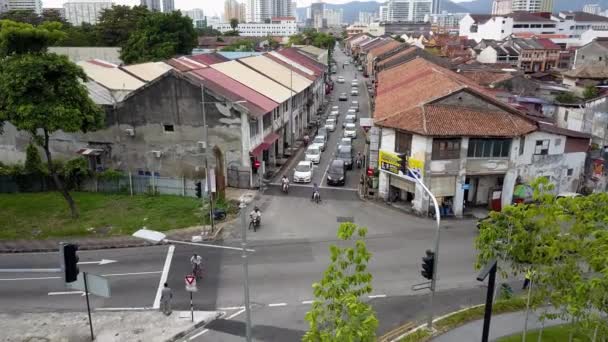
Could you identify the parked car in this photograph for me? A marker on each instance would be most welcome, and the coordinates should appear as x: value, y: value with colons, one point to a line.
x: 347, y: 63
x: 313, y: 154
x: 335, y: 108
x: 340, y: 79
x: 345, y: 153
x: 320, y: 141
x: 354, y: 84
x: 336, y: 174
x: 333, y: 116
x: 349, y: 119
x: 343, y: 97
x: 330, y: 124
x: 355, y: 104
x: 350, y: 131
x: 303, y: 172
x: 323, y: 132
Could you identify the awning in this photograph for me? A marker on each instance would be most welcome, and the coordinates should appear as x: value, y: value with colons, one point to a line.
x: 89, y: 151
x: 258, y: 150
x: 271, y: 138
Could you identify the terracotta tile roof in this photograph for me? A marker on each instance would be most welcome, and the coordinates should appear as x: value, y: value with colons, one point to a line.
x: 486, y: 78
x: 401, y: 105
x: 379, y: 50
x: 409, y: 54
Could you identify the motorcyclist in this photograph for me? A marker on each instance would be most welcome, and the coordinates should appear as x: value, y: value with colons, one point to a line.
x: 284, y: 182
x: 315, y: 190
x: 256, y: 215
x: 306, y: 139
x: 196, y: 262
x: 359, y: 160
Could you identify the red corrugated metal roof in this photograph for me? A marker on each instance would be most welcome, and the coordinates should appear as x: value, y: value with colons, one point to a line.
x: 293, y: 54
x: 257, y: 104
x: 209, y: 58
x: 298, y: 71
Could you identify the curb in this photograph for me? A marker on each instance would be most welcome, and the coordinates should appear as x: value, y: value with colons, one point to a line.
x: 198, y: 325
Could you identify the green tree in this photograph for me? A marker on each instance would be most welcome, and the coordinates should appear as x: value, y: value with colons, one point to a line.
x: 116, y: 24
x: 590, y: 92
x: 33, y: 162
x: 208, y: 31
x: 243, y: 45
x: 338, y: 313
x: 563, y: 241
x: 159, y: 36
x: 17, y: 38
x: 84, y: 35
x: 22, y: 16
x: 234, y: 23
x: 42, y: 93
x: 566, y: 97
x: 52, y: 14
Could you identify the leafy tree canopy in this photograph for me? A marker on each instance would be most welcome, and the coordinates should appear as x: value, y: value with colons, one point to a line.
x: 22, y: 16
x: 159, y: 36
x: 244, y: 45
x: 18, y: 38
x: 590, y: 92
x: 566, y: 97
x: 116, y: 24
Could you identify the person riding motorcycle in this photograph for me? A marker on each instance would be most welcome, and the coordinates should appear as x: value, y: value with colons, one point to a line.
x: 256, y: 216
x: 284, y: 183
x: 315, y: 190
x: 359, y: 160
x: 196, y: 262
x: 306, y: 139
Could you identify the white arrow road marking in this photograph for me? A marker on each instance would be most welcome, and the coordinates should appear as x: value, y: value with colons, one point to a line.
x: 67, y: 293
x: 99, y: 262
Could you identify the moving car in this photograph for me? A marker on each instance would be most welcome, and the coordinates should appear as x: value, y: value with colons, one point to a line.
x: 349, y: 119
x: 354, y: 92
x: 350, y: 131
x: 345, y: 153
x: 334, y: 112
x: 343, y: 97
x: 330, y: 124
x: 340, y: 79
x: 336, y: 174
x: 303, y: 172
x: 313, y: 154
x: 347, y: 63
x: 322, y: 131
x: 354, y: 84
x: 320, y: 141
x: 333, y: 116
x: 345, y: 142
x: 335, y: 108
x: 352, y: 111
x: 355, y: 104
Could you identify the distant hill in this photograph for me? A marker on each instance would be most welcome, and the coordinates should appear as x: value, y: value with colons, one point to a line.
x: 351, y: 9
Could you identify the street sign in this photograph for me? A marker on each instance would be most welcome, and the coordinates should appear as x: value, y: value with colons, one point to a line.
x: 96, y: 285
x: 190, y: 283
x: 466, y: 186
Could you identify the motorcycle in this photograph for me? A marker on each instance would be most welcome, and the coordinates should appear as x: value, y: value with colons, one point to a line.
x: 255, y: 223
x: 316, y: 197
x: 359, y: 162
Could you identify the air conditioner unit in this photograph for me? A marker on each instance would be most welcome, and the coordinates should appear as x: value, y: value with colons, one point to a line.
x: 157, y: 154
x: 202, y: 144
x: 130, y: 132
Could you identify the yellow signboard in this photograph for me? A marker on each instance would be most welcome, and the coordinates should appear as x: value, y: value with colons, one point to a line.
x: 393, y: 162
x: 389, y: 161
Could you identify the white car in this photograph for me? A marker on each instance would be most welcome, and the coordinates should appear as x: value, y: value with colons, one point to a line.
x: 303, y: 172
x: 352, y: 111
x: 350, y: 131
x: 354, y: 84
x: 354, y: 104
x: 354, y: 92
x: 320, y: 141
x: 335, y: 108
x: 345, y: 142
x: 340, y: 79
x: 330, y: 124
x: 349, y: 119
x: 334, y: 112
x: 313, y: 154
x: 347, y: 63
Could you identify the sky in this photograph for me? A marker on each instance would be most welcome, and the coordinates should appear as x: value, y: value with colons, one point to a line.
x: 211, y: 7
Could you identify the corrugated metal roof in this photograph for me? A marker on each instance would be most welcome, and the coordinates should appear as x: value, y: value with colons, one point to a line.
x: 257, y: 104
x: 312, y: 50
x: 254, y: 80
x: 209, y: 58
x: 99, y: 94
x: 148, y: 71
x: 277, y: 72
x: 185, y: 64
x: 238, y: 54
x: 293, y: 63
x: 110, y: 76
x: 294, y: 55
x: 311, y: 76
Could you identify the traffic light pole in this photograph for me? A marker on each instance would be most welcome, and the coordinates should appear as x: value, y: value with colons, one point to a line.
x: 86, y: 292
x: 429, y: 323
x: 208, y: 179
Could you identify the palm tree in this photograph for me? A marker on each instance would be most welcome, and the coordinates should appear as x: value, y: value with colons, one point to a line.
x: 234, y: 23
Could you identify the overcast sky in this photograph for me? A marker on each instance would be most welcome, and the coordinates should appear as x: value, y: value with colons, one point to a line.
x: 211, y: 7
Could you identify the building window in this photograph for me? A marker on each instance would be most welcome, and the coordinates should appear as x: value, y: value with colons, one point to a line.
x: 522, y: 145
x: 403, y: 143
x: 542, y: 147
x: 566, y: 116
x: 558, y: 142
x: 253, y: 128
x: 570, y: 172
x: 446, y: 149
x: 168, y: 128
x: 489, y: 148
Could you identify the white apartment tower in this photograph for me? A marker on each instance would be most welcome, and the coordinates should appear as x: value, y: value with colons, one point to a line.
x: 501, y: 7
x: 282, y: 8
x: 26, y: 5
x: 409, y: 10
x: 532, y: 5
x: 383, y: 13
x: 592, y: 8
x: 78, y: 12
x: 333, y: 17
x: 259, y: 10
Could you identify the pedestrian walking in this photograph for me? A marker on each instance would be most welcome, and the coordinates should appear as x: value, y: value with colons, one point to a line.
x: 165, y: 300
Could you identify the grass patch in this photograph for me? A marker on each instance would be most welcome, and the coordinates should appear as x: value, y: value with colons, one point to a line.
x: 557, y: 333
x: 46, y: 215
x: 472, y: 314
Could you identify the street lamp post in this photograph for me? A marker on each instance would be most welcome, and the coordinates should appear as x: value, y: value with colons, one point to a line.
x: 429, y: 323
x: 243, y: 213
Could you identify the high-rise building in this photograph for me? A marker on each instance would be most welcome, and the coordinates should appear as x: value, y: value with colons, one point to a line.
x: 84, y: 11
x: 409, y: 10
x: 317, y: 10
x: 242, y: 12
x: 168, y: 6
x: 501, y: 7
x: 281, y: 8
x: 25, y: 5
x: 333, y: 18
x: 532, y: 6
x: 592, y: 8
x: 294, y: 7
x: 259, y: 11
x: 198, y: 17
x: 153, y: 5
x: 232, y: 9
x: 366, y: 17
x: 383, y: 13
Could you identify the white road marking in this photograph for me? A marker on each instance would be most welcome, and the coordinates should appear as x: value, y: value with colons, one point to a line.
x: 307, y: 301
x: 122, y: 309
x: 325, y: 173
x: 231, y: 308
x: 163, y: 277
x: 377, y: 296
x: 98, y: 262
x: 236, y: 314
x: 128, y: 274
x: 277, y: 304
x: 197, y: 335
x: 66, y: 293
x: 40, y: 278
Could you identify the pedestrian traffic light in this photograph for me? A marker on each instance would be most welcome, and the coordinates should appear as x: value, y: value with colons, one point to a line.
x: 428, y: 264
x: 199, y: 189
x: 70, y: 262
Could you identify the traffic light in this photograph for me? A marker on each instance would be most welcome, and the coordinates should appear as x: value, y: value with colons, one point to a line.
x: 70, y: 262
x: 199, y: 189
x: 428, y: 264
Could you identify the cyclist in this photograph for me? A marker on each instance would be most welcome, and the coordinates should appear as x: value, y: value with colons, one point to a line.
x: 196, y: 262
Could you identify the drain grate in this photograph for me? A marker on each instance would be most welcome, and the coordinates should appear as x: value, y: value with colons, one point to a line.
x: 345, y: 219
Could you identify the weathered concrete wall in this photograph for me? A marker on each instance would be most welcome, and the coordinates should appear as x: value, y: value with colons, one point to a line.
x: 466, y: 99
x: 590, y: 54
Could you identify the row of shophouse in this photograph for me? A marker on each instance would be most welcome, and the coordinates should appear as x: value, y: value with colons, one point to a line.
x: 461, y: 129
x: 157, y: 115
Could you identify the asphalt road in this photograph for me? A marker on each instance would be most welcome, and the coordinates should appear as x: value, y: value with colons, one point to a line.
x: 320, y: 170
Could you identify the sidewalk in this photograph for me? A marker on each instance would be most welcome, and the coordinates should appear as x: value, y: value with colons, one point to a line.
x: 501, y: 325
x: 107, y: 326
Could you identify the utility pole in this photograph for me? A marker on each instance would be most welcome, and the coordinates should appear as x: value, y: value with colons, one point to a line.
x: 291, y: 109
x: 243, y: 207
x: 207, y: 173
